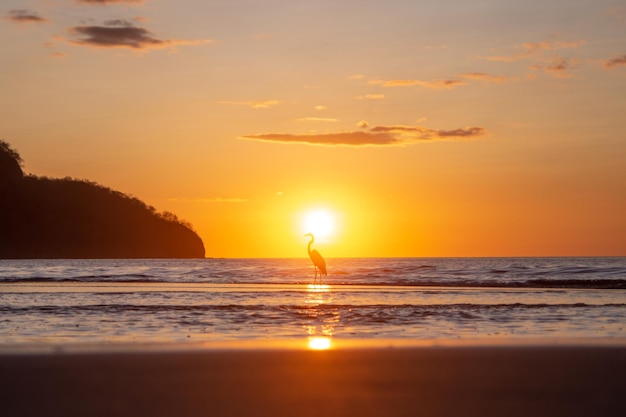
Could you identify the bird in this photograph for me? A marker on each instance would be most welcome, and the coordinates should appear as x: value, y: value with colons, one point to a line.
x: 318, y: 261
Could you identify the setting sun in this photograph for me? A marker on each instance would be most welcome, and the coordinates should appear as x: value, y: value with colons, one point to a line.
x: 319, y: 222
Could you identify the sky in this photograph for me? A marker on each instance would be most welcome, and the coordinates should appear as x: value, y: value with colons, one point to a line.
x: 422, y: 128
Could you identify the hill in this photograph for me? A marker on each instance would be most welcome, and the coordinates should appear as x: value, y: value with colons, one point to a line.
x: 68, y: 218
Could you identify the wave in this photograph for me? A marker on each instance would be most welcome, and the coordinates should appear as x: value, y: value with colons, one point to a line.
x: 599, y: 273
x: 351, y: 314
x: 300, y: 308
x: 538, y: 283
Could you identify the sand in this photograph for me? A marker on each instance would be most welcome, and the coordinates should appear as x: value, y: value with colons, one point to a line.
x: 425, y: 381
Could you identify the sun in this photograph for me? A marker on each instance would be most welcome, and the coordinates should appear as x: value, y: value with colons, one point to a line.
x: 320, y: 222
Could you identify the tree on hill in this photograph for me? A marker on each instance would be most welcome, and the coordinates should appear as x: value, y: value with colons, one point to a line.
x: 67, y: 218
x: 10, y: 164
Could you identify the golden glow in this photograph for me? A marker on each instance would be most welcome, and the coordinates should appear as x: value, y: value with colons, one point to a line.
x: 439, y: 190
x: 319, y: 343
x: 320, y: 222
x: 318, y: 288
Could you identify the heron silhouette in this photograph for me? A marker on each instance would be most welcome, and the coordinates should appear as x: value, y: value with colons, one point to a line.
x: 318, y: 261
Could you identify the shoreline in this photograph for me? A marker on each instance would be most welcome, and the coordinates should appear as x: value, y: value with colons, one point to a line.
x: 302, y: 344
x: 435, y: 380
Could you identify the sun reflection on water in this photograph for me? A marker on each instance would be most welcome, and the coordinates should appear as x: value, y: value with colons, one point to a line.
x: 322, y: 318
x: 318, y: 288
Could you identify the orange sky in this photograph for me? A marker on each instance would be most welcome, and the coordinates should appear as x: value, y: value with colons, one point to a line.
x: 458, y: 128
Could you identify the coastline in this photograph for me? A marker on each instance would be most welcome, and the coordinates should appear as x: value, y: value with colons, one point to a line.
x: 538, y: 379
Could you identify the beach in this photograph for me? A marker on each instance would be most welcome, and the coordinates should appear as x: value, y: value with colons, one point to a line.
x: 482, y: 380
x: 253, y: 337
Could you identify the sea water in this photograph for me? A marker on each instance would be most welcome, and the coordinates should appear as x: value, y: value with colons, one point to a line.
x: 65, y: 302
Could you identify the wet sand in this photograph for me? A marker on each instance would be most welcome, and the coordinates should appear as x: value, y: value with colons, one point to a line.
x: 423, y: 381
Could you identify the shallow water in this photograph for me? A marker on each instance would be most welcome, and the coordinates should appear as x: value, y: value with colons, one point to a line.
x: 212, y: 300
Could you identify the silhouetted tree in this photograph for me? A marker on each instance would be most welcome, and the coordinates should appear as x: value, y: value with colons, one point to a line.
x: 10, y: 164
x: 67, y: 218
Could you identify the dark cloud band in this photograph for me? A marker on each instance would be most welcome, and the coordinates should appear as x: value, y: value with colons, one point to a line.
x: 121, y: 33
x: 115, y: 36
x: 376, y: 136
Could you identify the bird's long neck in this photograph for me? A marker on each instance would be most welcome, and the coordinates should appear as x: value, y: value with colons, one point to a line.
x: 310, y: 243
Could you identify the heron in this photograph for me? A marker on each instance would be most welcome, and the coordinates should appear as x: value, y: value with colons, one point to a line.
x: 318, y: 261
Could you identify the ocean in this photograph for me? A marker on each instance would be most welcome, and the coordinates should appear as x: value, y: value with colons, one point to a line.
x: 143, y: 301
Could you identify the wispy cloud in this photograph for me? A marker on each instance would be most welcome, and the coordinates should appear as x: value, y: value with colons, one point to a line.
x: 105, y: 2
x: 371, y: 97
x: 24, y: 16
x: 550, y: 45
x: 557, y: 66
x: 484, y: 77
x: 376, y: 136
x: 317, y: 119
x: 414, y: 133
x: 615, y: 62
x: 529, y: 49
x: 437, y: 84
x: 121, y: 33
x: 258, y: 104
x: 340, y: 138
x: 434, y: 84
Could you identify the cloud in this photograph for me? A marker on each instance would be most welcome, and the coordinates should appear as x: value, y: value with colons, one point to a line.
x: 121, y: 33
x: 558, y: 67
x: 363, y: 124
x: 105, y: 2
x: 532, y: 48
x: 341, y: 138
x: 481, y: 76
x: 264, y: 104
x: 423, y: 133
x: 376, y: 136
x: 317, y: 119
x: 24, y: 16
x: 371, y: 97
x: 615, y: 62
x: 440, y: 84
x: 551, y: 45
x: 320, y: 108
x: 435, y: 84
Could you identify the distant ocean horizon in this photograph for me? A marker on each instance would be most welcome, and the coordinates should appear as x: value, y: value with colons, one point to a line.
x: 109, y: 301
